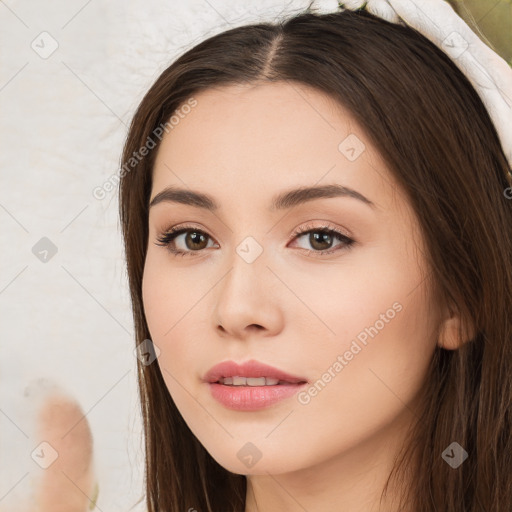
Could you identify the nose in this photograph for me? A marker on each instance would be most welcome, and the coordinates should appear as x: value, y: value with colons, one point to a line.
x: 248, y: 301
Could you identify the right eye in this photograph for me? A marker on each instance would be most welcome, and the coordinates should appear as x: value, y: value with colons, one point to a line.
x: 193, y: 240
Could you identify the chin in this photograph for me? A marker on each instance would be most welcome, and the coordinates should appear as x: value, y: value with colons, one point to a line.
x: 247, y: 461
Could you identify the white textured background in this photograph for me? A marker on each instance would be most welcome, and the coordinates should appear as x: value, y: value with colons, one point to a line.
x: 63, y: 119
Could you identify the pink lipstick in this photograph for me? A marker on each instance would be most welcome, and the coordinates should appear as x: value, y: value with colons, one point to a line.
x: 251, y: 386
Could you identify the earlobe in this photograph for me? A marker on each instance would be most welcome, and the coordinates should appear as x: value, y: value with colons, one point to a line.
x: 452, y: 334
x: 449, y: 335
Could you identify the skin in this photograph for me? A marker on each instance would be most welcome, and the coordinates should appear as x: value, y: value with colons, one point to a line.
x: 291, y: 309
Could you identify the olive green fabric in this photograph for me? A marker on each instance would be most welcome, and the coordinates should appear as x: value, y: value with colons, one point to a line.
x: 491, y: 20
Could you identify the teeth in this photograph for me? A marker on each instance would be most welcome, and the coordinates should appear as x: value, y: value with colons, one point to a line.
x: 253, y: 381
x: 249, y: 381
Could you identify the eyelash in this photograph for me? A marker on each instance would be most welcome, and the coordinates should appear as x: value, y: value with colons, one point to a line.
x: 168, y: 237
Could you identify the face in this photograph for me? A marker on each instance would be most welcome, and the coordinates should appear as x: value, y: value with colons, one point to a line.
x: 329, y: 286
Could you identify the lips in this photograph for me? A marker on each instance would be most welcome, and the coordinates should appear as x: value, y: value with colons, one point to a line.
x: 251, y: 386
x: 250, y: 373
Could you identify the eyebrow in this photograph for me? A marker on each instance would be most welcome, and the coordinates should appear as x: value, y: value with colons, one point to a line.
x: 282, y: 201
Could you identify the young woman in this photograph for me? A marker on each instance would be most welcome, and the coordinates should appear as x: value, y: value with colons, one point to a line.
x: 319, y: 254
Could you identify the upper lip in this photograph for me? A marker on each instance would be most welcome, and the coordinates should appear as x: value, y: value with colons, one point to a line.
x: 249, y: 369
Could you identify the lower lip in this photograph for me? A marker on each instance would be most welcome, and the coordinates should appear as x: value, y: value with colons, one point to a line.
x: 252, y: 398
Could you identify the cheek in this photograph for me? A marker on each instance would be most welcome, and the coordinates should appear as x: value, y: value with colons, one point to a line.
x: 364, y: 291
x: 360, y: 387
x: 154, y: 297
x: 387, y: 341
x: 166, y: 295
x: 172, y: 307
x: 376, y: 314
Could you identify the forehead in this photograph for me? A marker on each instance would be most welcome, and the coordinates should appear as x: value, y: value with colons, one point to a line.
x: 278, y: 114
x: 258, y: 139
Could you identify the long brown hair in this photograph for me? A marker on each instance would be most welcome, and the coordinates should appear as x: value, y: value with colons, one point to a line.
x: 438, y: 140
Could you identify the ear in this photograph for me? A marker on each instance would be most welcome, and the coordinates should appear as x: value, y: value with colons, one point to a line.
x: 452, y: 333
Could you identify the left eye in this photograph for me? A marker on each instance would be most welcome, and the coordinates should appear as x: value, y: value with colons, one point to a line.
x: 195, y: 240
x: 322, y: 239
